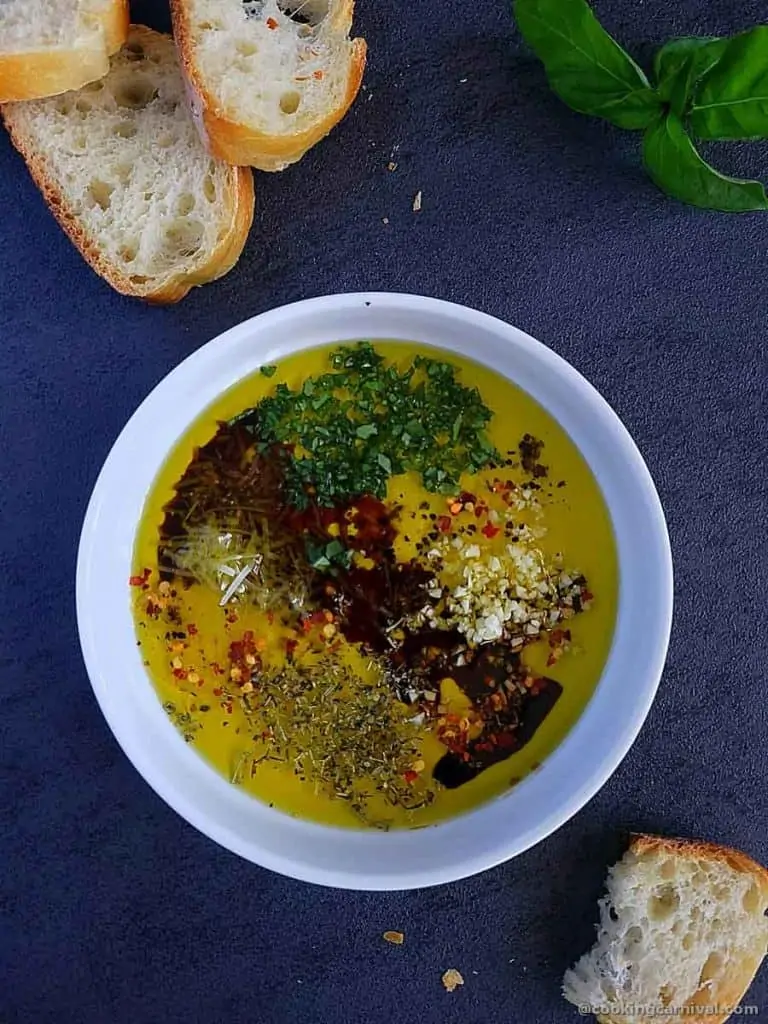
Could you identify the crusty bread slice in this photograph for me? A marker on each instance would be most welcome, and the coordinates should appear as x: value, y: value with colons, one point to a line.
x: 268, y: 78
x: 122, y: 167
x: 51, y: 46
x: 683, y: 925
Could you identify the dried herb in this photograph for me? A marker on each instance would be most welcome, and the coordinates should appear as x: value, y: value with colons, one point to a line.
x: 183, y: 721
x: 228, y: 516
x: 351, y: 737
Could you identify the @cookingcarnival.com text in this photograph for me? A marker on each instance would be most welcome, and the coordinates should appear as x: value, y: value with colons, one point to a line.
x: 657, y: 1010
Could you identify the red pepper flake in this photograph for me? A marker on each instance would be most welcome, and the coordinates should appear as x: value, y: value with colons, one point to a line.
x: 318, y: 74
x: 180, y: 673
x: 505, y: 740
x: 139, y: 581
x: 444, y: 524
x: 490, y: 531
x: 271, y: 618
x: 192, y: 629
x: 480, y: 510
x: 410, y: 776
x: 290, y: 647
x: 217, y: 691
x: 271, y: 23
x: 586, y: 595
x: 319, y: 618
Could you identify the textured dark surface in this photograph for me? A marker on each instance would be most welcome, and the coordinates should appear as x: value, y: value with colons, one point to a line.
x: 113, y: 909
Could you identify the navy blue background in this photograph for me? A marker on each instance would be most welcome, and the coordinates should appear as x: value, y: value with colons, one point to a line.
x: 113, y: 909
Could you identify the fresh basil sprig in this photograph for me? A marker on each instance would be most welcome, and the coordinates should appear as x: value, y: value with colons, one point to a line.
x: 681, y: 64
x: 674, y: 165
x: 717, y: 88
x: 732, y: 102
x: 585, y: 66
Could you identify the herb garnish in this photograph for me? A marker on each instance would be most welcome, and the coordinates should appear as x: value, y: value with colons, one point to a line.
x: 352, y: 428
x: 327, y: 557
x: 226, y: 516
x: 183, y: 721
x: 352, y: 738
x: 705, y: 88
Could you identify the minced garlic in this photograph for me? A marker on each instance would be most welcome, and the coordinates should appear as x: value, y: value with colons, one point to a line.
x: 513, y: 594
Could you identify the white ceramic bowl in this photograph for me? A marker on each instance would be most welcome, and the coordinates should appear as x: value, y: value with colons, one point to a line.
x: 357, y: 859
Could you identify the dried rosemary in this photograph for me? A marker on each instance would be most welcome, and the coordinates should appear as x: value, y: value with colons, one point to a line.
x: 351, y: 737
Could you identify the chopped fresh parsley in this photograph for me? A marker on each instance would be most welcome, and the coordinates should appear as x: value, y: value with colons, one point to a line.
x: 327, y: 557
x: 268, y: 371
x: 365, y: 420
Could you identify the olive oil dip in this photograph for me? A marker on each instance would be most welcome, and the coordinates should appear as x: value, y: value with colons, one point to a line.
x: 374, y: 585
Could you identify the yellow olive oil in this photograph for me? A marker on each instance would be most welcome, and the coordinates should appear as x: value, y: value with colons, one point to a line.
x: 188, y: 671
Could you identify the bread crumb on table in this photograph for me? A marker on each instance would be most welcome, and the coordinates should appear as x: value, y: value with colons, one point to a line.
x: 396, y: 938
x: 417, y: 202
x: 452, y: 979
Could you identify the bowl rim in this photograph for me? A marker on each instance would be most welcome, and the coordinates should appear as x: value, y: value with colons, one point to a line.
x: 560, y: 788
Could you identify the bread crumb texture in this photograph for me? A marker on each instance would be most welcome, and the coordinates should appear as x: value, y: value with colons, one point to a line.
x: 123, y: 168
x: 278, y: 66
x: 683, y: 924
x: 49, y: 24
x: 452, y: 979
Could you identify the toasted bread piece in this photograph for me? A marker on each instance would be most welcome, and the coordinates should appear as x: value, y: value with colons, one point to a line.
x: 268, y: 78
x: 52, y: 46
x: 124, y: 172
x: 682, y: 926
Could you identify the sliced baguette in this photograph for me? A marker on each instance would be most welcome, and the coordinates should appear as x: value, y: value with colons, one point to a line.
x: 52, y: 46
x: 683, y: 925
x: 124, y: 172
x: 268, y: 78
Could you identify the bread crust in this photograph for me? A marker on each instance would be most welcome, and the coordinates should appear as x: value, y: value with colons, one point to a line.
x: 222, y: 259
x: 733, y: 990
x: 37, y: 74
x: 241, y: 144
x: 642, y: 843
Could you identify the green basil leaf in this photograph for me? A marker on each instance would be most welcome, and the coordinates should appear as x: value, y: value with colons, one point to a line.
x: 732, y: 102
x: 586, y: 67
x: 674, y: 165
x: 681, y: 64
